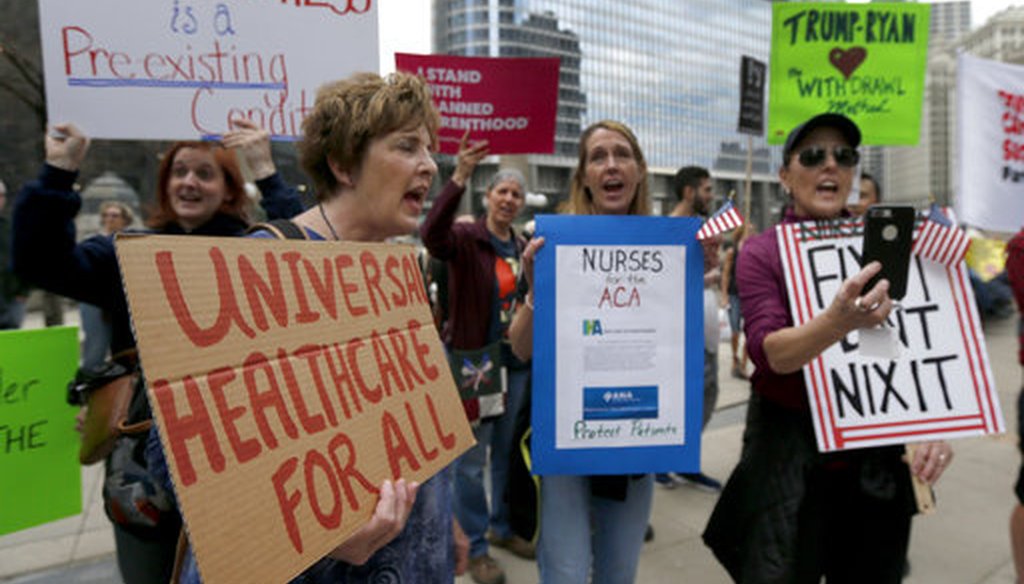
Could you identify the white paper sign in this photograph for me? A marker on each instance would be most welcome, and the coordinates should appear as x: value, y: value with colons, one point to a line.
x: 621, y: 382
x: 940, y: 385
x: 180, y: 69
x: 990, y: 144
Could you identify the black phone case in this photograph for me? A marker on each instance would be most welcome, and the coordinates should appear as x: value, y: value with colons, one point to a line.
x: 888, y: 238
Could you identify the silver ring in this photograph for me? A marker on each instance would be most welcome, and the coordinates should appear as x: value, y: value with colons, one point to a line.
x: 942, y: 458
x: 858, y: 304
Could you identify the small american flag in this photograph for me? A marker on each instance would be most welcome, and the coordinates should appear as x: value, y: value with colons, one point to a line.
x: 940, y: 240
x: 725, y: 219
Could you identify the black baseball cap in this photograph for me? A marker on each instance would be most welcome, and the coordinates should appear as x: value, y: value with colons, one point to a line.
x: 845, y: 125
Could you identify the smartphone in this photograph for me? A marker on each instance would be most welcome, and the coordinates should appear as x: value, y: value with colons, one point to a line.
x: 888, y: 239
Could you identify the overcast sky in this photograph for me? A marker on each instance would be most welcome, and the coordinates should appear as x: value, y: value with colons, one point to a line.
x: 404, y: 28
x: 981, y: 10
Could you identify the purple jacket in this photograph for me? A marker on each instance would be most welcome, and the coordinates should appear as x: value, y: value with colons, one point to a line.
x: 467, y: 249
x: 765, y: 306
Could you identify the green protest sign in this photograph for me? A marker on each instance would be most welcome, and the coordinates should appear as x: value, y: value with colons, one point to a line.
x: 40, y: 478
x: 865, y: 61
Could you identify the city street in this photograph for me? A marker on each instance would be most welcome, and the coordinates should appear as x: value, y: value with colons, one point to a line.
x: 964, y: 542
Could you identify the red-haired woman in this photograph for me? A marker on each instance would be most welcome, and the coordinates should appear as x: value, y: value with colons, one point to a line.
x: 200, y: 192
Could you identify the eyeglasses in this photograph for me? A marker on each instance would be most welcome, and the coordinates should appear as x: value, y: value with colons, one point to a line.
x: 814, y: 156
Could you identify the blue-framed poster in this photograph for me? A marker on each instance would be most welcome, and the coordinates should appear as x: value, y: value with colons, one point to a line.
x: 618, y: 345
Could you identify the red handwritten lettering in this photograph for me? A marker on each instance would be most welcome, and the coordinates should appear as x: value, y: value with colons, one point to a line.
x: 447, y: 440
x: 288, y: 503
x: 259, y: 291
x: 342, y: 262
x: 399, y: 297
x: 428, y: 454
x: 351, y: 353
x: 340, y: 377
x: 261, y: 401
x: 227, y: 314
x: 179, y: 429
x: 310, y: 353
x: 310, y: 423
x: 619, y: 298
x: 1012, y: 101
x: 422, y: 349
x: 414, y: 280
x: 371, y: 274
x: 396, y: 446
x: 292, y: 258
x: 83, y: 42
x: 324, y: 288
x: 1013, y: 150
x: 347, y: 472
x: 340, y: 7
x: 336, y: 469
x: 330, y: 519
x: 194, y: 112
x: 1012, y: 123
x: 244, y: 450
x: 385, y: 365
x: 412, y: 377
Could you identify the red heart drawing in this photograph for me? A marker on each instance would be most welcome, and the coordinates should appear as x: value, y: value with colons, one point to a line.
x: 847, y: 61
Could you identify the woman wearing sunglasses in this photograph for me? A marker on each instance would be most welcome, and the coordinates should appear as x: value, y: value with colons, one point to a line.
x: 789, y: 513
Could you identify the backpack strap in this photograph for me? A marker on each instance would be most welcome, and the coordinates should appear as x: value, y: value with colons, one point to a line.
x: 281, y: 228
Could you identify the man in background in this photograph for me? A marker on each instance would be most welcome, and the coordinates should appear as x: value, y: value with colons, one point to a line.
x: 870, y: 194
x: 692, y: 184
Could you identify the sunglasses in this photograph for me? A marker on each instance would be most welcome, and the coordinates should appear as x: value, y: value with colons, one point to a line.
x: 814, y: 156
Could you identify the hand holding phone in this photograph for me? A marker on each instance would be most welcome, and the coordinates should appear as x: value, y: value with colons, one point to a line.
x: 888, y: 239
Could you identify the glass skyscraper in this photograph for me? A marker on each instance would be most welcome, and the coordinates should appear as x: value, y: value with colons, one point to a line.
x: 668, y: 69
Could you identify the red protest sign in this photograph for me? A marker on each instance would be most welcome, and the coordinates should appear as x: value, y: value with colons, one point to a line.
x: 509, y: 102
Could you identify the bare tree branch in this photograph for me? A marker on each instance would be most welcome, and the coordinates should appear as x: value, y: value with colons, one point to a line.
x: 21, y: 95
x: 26, y: 68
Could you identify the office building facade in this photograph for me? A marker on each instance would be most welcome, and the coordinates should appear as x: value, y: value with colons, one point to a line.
x: 668, y: 69
x: 917, y: 174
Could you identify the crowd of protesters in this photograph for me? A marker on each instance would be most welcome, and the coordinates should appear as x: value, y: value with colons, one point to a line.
x: 787, y: 513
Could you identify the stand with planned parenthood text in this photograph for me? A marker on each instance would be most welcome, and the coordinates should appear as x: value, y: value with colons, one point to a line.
x: 938, y: 386
x: 618, y: 345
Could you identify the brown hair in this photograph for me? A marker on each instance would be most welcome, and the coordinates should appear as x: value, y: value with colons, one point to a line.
x: 348, y: 114
x: 580, y: 201
x: 235, y: 201
x: 126, y: 213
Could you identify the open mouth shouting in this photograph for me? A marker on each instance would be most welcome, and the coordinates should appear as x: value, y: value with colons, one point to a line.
x: 414, y: 199
x: 828, y: 188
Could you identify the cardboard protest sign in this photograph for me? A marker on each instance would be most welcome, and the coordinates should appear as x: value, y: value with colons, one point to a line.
x: 618, y: 355
x: 866, y: 61
x: 990, y: 144
x: 940, y: 385
x: 491, y: 98
x: 40, y: 478
x: 288, y: 379
x: 180, y: 69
